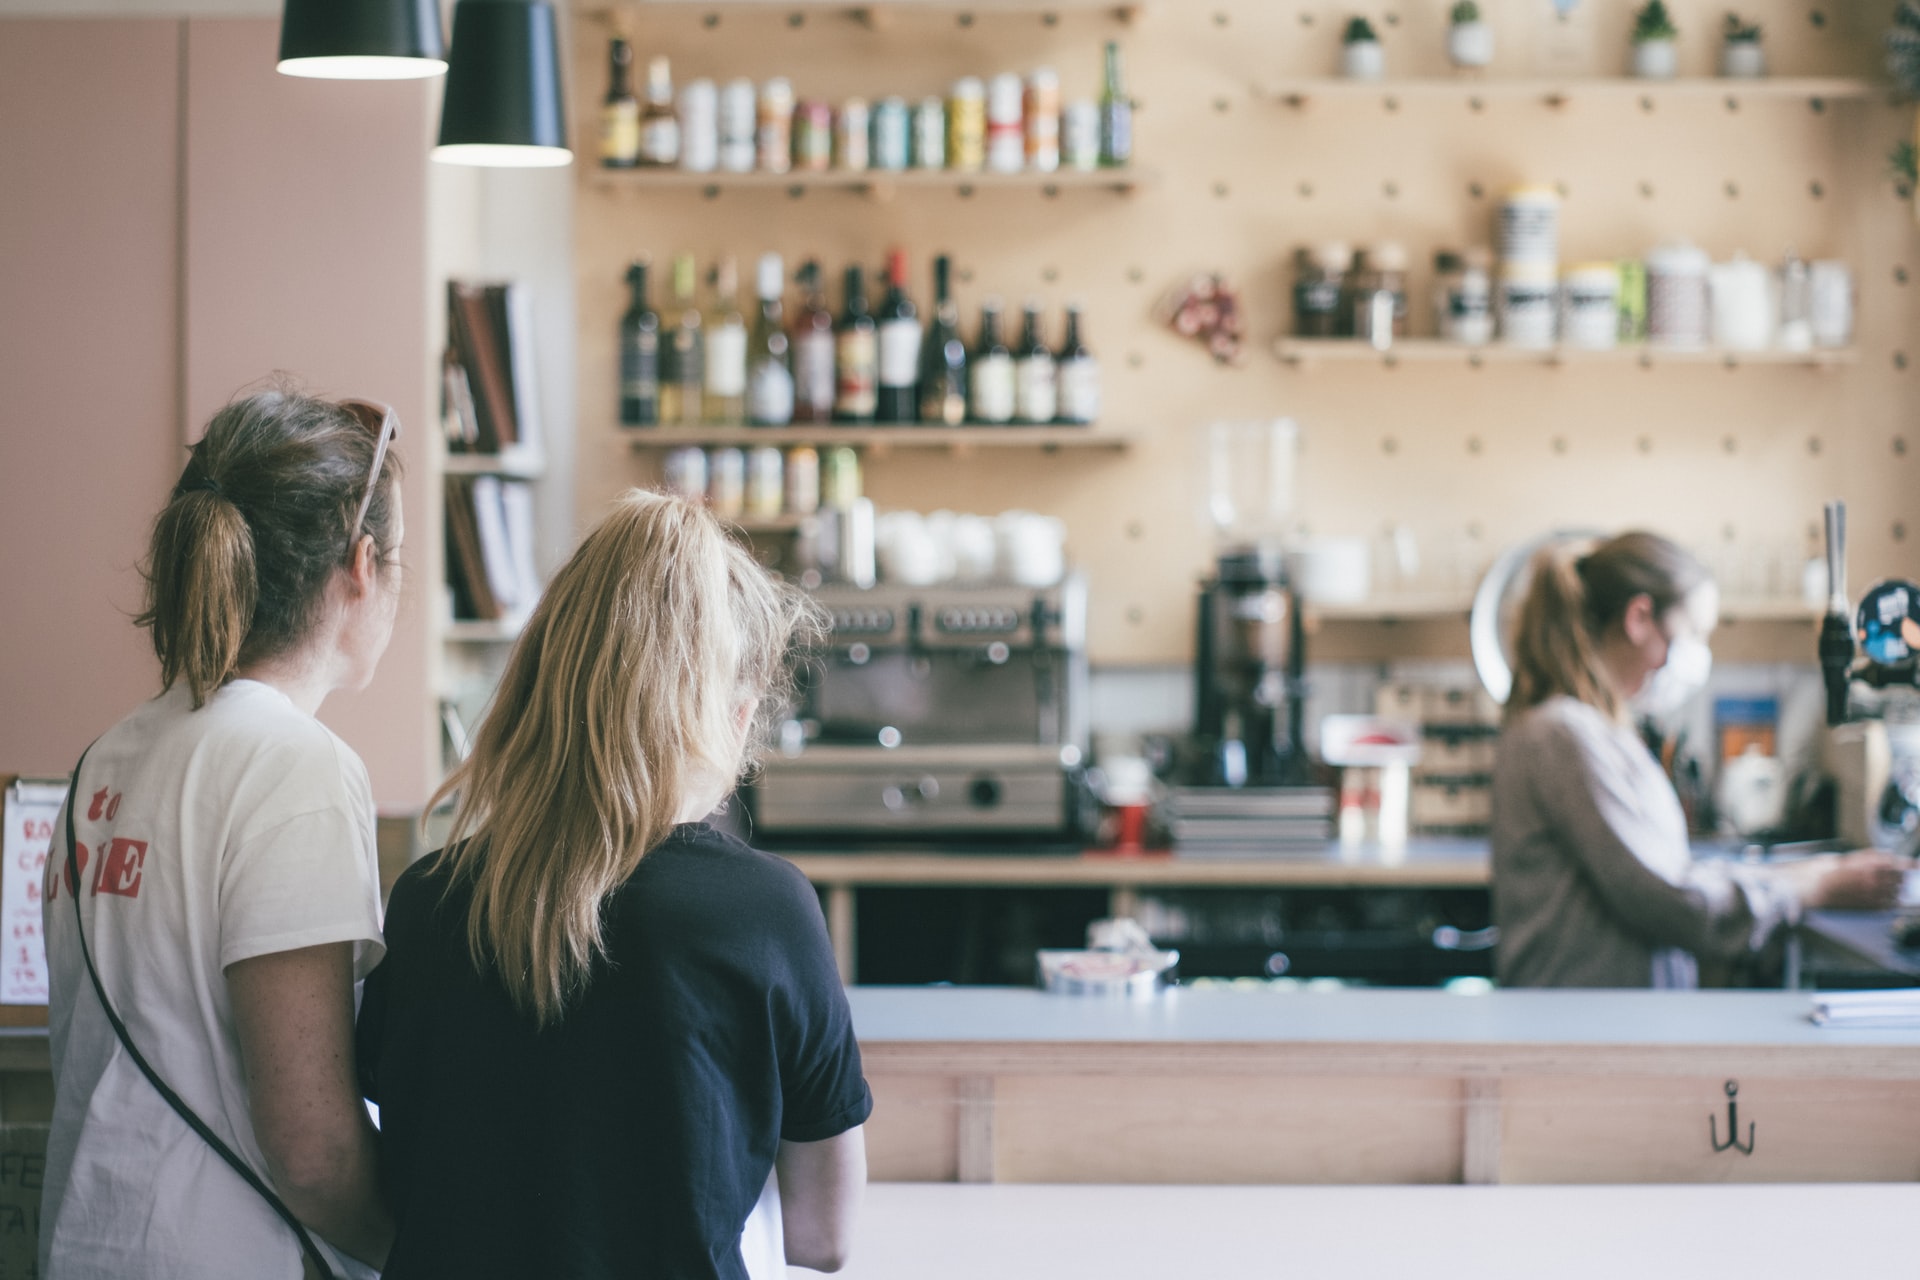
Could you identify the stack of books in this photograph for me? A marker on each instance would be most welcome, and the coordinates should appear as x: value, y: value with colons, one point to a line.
x: 1249, y: 822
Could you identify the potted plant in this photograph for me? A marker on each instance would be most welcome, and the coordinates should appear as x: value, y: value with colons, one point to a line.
x: 1361, y: 57
x: 1655, y: 56
x: 1469, y: 38
x: 1741, y: 55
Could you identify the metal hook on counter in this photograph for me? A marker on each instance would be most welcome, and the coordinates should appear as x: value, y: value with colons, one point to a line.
x: 1733, y: 1125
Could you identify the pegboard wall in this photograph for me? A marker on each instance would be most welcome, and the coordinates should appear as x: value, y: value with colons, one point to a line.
x: 1735, y: 461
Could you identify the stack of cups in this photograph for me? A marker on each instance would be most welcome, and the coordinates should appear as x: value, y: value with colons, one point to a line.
x: 1529, y: 241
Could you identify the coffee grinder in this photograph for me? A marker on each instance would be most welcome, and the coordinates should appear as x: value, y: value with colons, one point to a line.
x: 1249, y: 645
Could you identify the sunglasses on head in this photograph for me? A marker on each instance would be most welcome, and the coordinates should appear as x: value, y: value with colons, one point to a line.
x: 384, y: 425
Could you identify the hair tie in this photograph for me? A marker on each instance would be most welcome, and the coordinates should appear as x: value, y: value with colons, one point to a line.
x: 209, y: 485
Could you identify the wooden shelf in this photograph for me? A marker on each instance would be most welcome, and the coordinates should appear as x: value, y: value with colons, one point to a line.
x: 767, y: 524
x: 873, y: 183
x: 873, y: 14
x: 879, y: 439
x: 517, y: 466
x: 1306, y: 352
x: 1476, y: 92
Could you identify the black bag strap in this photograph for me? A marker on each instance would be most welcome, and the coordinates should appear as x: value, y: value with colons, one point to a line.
x: 194, y: 1122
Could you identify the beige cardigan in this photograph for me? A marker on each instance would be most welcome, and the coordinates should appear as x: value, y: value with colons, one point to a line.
x: 1594, y: 882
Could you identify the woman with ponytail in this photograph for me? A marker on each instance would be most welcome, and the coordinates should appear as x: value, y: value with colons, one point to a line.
x: 601, y: 1024
x: 223, y: 896
x: 1594, y: 881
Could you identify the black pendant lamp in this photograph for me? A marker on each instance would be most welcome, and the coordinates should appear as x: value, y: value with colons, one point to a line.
x: 503, y: 103
x: 362, y: 39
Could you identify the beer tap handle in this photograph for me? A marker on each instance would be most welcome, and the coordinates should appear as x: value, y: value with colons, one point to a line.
x: 1836, y: 629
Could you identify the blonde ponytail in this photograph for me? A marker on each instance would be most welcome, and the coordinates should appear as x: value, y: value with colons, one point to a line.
x: 202, y: 587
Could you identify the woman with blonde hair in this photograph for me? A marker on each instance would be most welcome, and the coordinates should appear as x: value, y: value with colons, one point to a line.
x: 1594, y: 880
x: 601, y: 1024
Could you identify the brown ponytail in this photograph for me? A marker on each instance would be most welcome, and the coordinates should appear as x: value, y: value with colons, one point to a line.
x: 257, y: 525
x: 1577, y: 594
x: 201, y: 590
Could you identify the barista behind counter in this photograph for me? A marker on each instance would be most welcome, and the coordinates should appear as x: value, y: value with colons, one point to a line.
x: 1594, y: 883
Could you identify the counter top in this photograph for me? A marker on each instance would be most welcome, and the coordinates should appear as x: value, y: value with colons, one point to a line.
x: 1651, y: 1019
x: 1419, y: 863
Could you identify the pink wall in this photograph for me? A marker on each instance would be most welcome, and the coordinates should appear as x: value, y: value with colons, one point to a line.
x: 306, y: 251
x: 90, y: 364
x: 181, y: 221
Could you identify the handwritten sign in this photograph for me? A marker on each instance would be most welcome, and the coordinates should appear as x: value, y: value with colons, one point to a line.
x: 31, y: 810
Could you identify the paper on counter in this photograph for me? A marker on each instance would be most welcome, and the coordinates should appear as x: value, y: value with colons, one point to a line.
x: 1867, y: 1009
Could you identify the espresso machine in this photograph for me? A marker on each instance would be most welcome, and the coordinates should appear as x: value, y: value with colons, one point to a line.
x: 953, y: 714
x: 1249, y: 675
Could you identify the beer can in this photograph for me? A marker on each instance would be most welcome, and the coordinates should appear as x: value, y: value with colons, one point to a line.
x: 686, y: 472
x: 766, y: 482
x: 890, y: 131
x: 852, y: 135
x: 727, y: 482
x: 813, y: 136
x: 930, y: 134
x: 1043, y: 120
x: 775, y: 135
x: 967, y: 126
x: 700, y: 126
x: 1080, y: 136
x: 803, y: 481
x: 1006, y: 140
x: 840, y: 478
x: 737, y: 108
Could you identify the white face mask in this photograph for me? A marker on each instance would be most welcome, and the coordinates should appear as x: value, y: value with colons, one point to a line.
x: 1673, y: 684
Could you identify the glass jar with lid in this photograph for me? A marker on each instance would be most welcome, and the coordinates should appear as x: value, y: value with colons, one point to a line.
x: 1319, y: 273
x: 1378, y: 269
x: 1463, y: 296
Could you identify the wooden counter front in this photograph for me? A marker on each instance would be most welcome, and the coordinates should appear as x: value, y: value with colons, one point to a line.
x: 1412, y: 1087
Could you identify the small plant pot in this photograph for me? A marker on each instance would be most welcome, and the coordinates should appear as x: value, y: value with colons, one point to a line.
x: 1743, y: 60
x: 1366, y: 60
x: 1656, y: 59
x: 1470, y: 44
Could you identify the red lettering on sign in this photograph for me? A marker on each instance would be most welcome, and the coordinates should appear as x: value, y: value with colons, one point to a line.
x: 121, y: 868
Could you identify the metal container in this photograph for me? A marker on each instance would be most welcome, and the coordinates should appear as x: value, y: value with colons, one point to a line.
x: 813, y: 136
x: 700, y: 126
x: 775, y: 136
x: 930, y: 134
x: 891, y: 130
x: 851, y: 139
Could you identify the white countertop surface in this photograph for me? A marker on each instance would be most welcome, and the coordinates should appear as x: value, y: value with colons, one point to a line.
x: 1382, y: 1016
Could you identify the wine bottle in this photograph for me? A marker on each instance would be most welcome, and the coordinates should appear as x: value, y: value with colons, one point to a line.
x: 899, y: 340
x: 769, y: 376
x: 1035, y: 393
x: 683, y: 366
x: 856, y: 356
x: 1116, y: 115
x: 659, y: 123
x: 726, y: 349
x: 943, y: 363
x: 993, y: 377
x: 639, y: 355
x: 1079, y: 376
x: 813, y: 349
x: 620, y: 114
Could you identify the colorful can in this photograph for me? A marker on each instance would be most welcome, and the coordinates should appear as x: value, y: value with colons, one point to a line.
x: 930, y: 134
x: 727, y: 482
x: 685, y: 472
x: 813, y: 136
x: 737, y: 108
x: 840, y: 478
x: 1080, y: 135
x: 775, y: 135
x: 967, y: 126
x: 803, y: 481
x: 1006, y: 138
x: 890, y: 133
x: 700, y: 126
x: 851, y: 136
x: 1633, y: 300
x: 1043, y: 120
x: 766, y: 482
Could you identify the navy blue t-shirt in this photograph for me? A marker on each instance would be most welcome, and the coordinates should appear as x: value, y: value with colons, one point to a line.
x: 632, y: 1138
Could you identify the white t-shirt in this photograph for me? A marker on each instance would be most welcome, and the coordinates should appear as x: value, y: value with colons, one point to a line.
x: 242, y: 829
